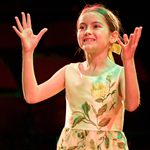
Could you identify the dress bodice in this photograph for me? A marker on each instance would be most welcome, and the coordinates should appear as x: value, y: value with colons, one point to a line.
x: 94, y: 102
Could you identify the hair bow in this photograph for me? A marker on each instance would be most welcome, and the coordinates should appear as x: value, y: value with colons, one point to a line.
x: 116, y: 48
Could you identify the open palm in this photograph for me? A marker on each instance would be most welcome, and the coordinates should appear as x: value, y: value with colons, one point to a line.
x: 130, y: 44
x: 28, y: 39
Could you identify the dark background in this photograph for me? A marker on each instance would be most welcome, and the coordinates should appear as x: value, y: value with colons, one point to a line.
x: 38, y: 126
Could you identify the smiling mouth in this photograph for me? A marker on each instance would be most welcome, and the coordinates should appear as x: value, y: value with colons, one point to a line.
x: 88, y: 40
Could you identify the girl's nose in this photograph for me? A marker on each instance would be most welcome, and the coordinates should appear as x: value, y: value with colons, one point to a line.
x: 88, y: 31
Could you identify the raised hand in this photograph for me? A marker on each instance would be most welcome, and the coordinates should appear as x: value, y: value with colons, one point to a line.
x: 130, y: 44
x: 28, y: 39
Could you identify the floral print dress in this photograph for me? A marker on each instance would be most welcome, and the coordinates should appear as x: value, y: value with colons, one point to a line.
x: 94, y: 111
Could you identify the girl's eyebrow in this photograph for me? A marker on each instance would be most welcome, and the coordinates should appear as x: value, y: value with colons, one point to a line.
x: 80, y: 24
x: 94, y: 22
x: 97, y: 22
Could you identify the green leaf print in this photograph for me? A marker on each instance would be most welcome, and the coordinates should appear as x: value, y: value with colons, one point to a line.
x: 108, y: 78
x: 119, y: 135
x: 107, y: 142
x: 77, y: 120
x: 86, y: 108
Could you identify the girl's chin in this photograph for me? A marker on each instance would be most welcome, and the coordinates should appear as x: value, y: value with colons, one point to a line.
x: 88, y: 48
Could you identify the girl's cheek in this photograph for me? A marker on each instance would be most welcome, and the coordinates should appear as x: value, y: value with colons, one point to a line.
x: 79, y: 36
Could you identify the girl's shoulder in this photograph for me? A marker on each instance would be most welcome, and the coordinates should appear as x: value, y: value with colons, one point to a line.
x: 72, y: 67
x: 72, y: 64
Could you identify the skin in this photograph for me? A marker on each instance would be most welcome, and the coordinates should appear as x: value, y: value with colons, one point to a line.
x: 94, y: 38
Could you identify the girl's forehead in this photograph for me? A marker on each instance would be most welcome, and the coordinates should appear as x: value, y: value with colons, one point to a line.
x: 91, y: 17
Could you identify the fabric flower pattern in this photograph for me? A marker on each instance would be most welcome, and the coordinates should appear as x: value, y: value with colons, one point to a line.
x: 103, y: 142
x: 103, y: 139
x: 101, y: 91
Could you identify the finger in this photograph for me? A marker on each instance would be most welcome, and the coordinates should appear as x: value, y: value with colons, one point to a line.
x: 131, y: 40
x: 135, y: 35
x: 41, y: 33
x: 125, y: 38
x: 120, y: 42
x: 138, y: 34
x: 24, y: 22
x: 17, y: 31
x: 29, y: 21
x: 19, y: 24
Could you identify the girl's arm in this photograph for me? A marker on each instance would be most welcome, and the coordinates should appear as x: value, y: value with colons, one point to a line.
x: 32, y: 91
x: 132, y: 92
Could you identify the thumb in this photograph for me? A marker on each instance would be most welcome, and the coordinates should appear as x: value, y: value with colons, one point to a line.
x: 41, y: 33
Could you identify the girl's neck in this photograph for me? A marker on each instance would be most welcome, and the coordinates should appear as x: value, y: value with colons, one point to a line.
x: 95, y: 66
x: 96, y: 60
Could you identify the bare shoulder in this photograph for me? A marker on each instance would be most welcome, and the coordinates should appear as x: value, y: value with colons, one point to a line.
x: 62, y: 69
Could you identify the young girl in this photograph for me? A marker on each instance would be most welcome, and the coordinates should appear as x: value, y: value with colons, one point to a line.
x: 98, y: 91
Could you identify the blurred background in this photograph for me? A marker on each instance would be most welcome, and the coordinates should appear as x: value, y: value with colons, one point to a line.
x: 38, y: 126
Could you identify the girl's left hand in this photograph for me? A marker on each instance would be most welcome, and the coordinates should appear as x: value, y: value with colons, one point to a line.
x: 130, y: 44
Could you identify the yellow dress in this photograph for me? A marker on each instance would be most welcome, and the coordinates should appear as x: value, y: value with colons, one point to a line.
x: 94, y: 111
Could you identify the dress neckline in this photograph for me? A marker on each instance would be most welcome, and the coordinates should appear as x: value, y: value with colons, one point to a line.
x: 86, y: 75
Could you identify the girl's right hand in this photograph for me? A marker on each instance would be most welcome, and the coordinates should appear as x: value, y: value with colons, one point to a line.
x: 29, y: 40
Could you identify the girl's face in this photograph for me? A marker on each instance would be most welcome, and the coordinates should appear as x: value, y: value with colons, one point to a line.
x: 93, y: 33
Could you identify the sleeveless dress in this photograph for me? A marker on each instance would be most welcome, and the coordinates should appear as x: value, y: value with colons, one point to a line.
x: 94, y: 111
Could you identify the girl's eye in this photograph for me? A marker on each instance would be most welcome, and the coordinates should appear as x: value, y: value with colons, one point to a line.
x: 82, y: 27
x: 96, y: 26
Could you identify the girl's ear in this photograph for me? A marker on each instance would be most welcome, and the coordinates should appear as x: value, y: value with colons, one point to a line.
x: 114, y: 37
